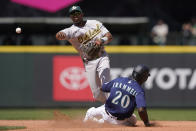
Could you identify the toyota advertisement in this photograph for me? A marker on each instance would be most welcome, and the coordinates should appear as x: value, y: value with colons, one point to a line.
x: 56, y: 80
x: 172, y: 81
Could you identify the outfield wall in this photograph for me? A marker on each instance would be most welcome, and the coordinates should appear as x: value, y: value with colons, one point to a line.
x: 53, y: 76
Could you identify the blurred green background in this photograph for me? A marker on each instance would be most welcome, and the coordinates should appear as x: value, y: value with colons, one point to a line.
x: 171, y: 114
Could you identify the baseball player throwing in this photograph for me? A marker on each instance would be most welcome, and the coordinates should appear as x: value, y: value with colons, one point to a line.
x: 126, y: 93
x: 88, y: 38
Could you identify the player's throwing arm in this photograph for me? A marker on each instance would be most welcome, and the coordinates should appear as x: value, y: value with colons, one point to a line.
x: 60, y: 36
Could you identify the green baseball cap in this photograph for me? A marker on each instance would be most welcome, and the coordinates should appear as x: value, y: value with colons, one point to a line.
x: 75, y: 8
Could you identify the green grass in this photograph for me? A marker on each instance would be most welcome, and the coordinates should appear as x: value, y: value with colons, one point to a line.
x: 47, y: 114
x: 3, y: 128
x: 37, y: 114
x: 172, y: 114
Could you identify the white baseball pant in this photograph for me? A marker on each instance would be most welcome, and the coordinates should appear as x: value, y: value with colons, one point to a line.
x: 99, y: 115
x: 98, y: 72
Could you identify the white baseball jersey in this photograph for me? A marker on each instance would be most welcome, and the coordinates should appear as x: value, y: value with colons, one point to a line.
x: 97, y: 70
x: 92, y: 30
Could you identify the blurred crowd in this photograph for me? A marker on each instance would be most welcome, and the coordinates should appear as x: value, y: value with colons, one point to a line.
x: 160, y: 33
x: 189, y: 33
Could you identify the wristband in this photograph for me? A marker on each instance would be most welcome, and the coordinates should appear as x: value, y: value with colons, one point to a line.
x: 104, y: 39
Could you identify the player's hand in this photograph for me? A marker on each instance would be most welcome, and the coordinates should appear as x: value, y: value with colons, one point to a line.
x: 60, y: 36
x: 147, y: 124
x: 98, y: 42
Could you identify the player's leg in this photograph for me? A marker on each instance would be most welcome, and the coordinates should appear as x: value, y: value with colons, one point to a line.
x: 89, y: 114
x: 103, y: 70
x: 93, y: 80
x: 90, y: 68
x: 95, y: 114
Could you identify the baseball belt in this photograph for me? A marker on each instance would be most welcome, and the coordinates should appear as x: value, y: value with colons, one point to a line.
x: 93, y: 57
x: 116, y: 118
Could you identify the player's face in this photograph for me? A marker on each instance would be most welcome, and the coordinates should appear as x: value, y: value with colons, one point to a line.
x: 76, y: 17
x: 145, y: 77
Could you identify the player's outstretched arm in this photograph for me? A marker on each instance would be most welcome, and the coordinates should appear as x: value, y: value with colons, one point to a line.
x: 144, y: 116
x: 104, y: 40
x: 61, y: 36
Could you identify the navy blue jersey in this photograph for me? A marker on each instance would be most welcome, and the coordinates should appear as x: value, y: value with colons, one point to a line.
x: 125, y: 95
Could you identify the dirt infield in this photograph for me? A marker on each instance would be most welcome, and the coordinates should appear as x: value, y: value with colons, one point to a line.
x: 61, y: 122
x: 77, y: 125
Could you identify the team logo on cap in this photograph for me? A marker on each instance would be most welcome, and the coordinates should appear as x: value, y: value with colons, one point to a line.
x: 73, y: 8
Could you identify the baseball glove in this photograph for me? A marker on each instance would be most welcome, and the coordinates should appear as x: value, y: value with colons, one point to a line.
x: 91, y: 49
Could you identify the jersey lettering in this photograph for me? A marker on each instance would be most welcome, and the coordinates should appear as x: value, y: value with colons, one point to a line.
x: 124, y: 100
x: 116, y: 84
x: 128, y: 89
x: 120, y: 85
x: 89, y: 35
x: 132, y: 91
x: 125, y: 87
x: 115, y: 100
x: 113, y: 85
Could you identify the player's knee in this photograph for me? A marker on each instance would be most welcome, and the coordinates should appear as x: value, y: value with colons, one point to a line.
x: 105, y: 75
x: 89, y: 114
x: 90, y: 110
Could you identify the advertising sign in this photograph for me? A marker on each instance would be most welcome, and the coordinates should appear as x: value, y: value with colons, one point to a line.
x: 57, y: 79
x: 70, y: 82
